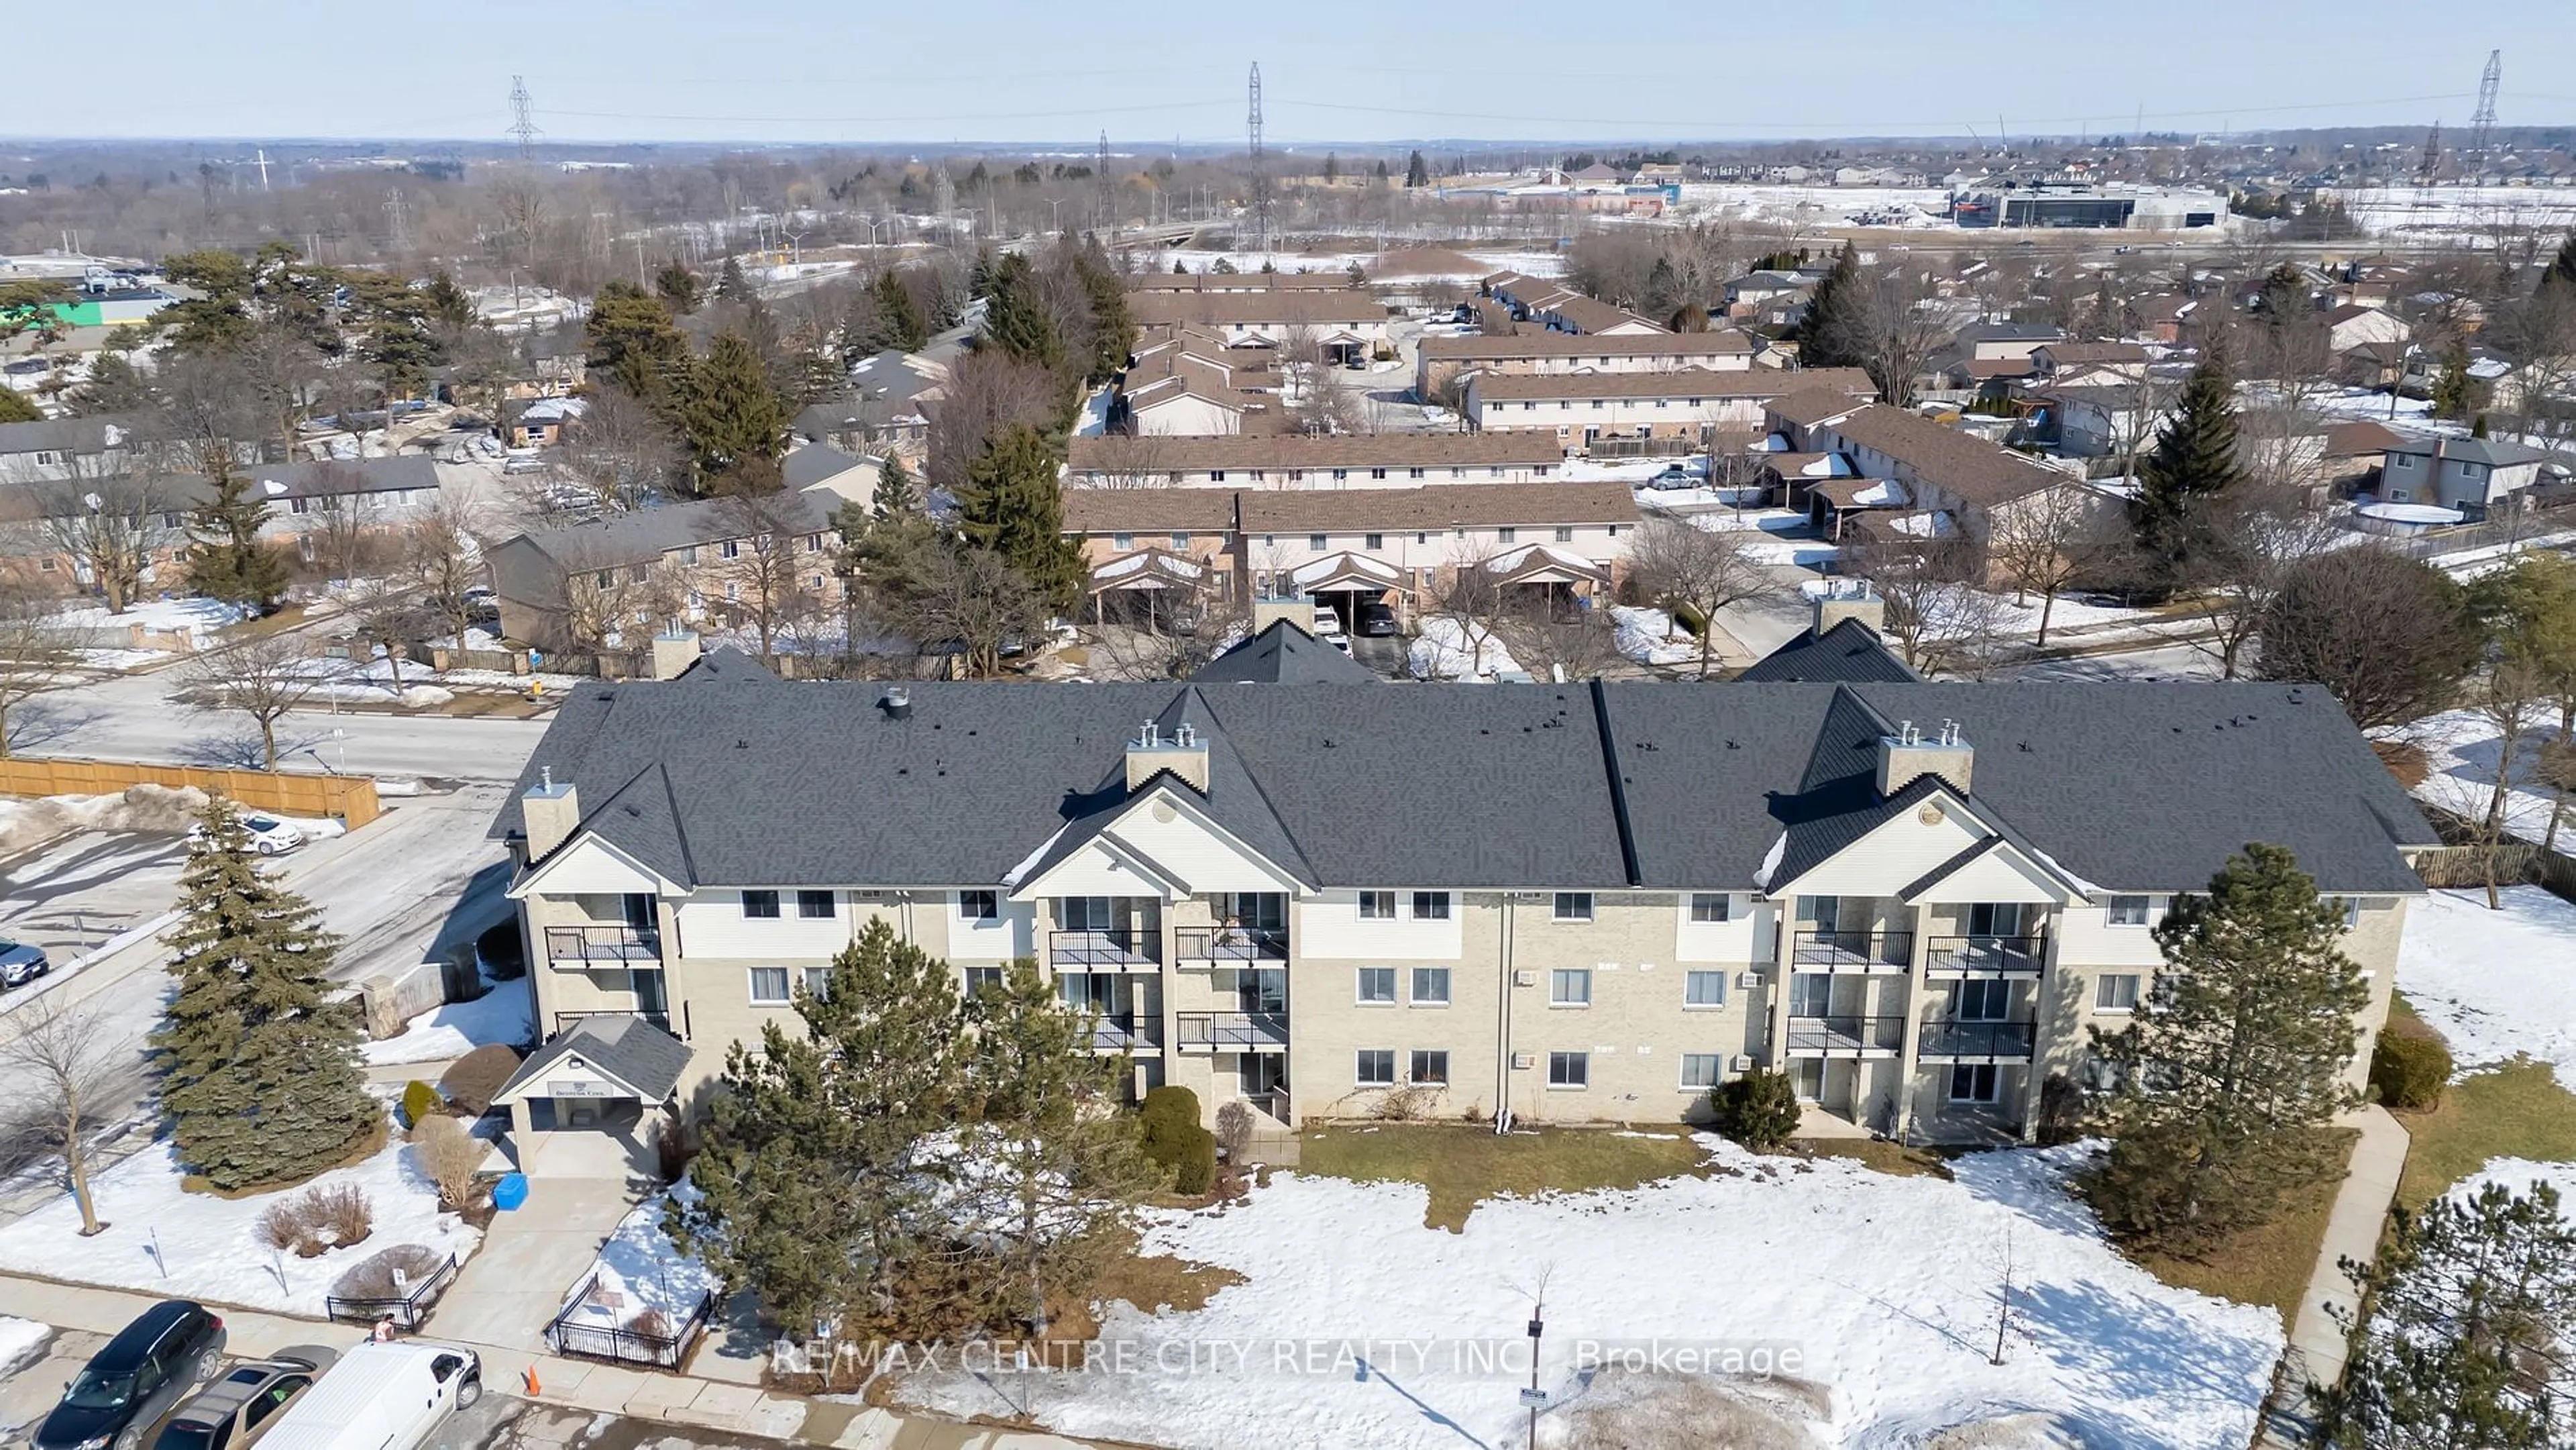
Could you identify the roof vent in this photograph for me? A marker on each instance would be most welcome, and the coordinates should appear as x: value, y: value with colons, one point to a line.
x: 1184, y: 755
x: 897, y: 703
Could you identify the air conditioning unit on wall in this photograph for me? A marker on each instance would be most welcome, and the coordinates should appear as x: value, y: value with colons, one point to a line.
x: 1524, y: 977
x: 1741, y: 1062
x: 1522, y: 1061
x: 1747, y: 981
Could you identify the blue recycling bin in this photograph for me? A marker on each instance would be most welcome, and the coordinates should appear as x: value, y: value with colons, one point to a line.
x: 510, y: 1192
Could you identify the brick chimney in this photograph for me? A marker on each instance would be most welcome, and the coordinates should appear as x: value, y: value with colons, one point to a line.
x: 1907, y: 756
x: 550, y: 812
x: 1850, y: 599
x: 1183, y: 753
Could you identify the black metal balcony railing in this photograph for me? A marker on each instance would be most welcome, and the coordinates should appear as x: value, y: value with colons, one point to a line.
x: 1229, y: 944
x: 1232, y: 1031
x: 1945, y: 1039
x: 1112, y: 950
x: 603, y: 943
x: 1845, y: 1036
x: 2002, y: 954
x: 565, y: 1020
x: 1852, y: 950
x: 1126, y: 1031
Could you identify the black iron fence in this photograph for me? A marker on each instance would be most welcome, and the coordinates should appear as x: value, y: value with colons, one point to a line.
x: 1093, y: 950
x: 1977, y: 1041
x: 658, y: 1343
x: 1233, y: 1031
x: 1848, y: 1036
x: 603, y: 943
x: 1850, y: 949
x: 2017, y: 954
x: 1230, y: 944
x: 408, y: 1309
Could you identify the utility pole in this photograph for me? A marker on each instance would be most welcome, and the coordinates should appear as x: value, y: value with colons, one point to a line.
x: 2482, y: 125
x: 522, y: 123
x: 1103, y: 216
x: 1260, y: 172
x: 398, y: 212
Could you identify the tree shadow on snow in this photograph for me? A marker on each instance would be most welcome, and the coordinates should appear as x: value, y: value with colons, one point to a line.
x: 1428, y: 1413
x: 2135, y: 1349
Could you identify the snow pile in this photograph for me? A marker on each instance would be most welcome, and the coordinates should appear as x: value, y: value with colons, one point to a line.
x: 2495, y: 984
x: 501, y: 1015
x: 2463, y: 748
x: 2518, y: 1174
x: 1650, y: 637
x: 21, y: 1340
x: 147, y: 809
x: 210, y: 1248
x: 1884, y: 1289
x: 177, y: 616
x: 640, y: 1271
x: 1443, y: 652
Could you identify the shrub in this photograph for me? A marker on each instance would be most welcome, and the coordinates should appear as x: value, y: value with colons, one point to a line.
x: 1234, y: 1130
x: 420, y: 1102
x: 1195, y: 1172
x: 1407, y: 1101
x: 1173, y: 1139
x: 472, y: 1081
x: 373, y: 1276
x: 318, y: 1220
x: 1759, y: 1110
x: 2061, y: 1110
x: 503, y: 955
x: 1171, y: 1104
x: 2408, y: 1071
x: 450, y: 1157
x: 650, y: 1324
x: 673, y: 1146
x: 282, y: 1226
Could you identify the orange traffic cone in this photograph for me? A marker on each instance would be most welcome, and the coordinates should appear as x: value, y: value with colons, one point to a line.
x: 532, y: 1382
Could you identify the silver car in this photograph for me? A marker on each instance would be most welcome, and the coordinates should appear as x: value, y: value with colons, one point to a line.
x: 21, y: 963
x: 236, y: 1410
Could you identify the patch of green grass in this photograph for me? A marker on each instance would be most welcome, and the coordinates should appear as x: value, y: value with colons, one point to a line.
x: 2268, y: 1265
x: 1893, y: 1159
x: 1463, y: 1166
x: 2516, y: 1110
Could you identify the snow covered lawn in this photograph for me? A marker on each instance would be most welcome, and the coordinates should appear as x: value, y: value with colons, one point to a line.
x: 1650, y: 637
x: 1884, y: 1287
x: 1442, y: 652
x: 210, y: 1247
x: 640, y: 1271
x: 2496, y: 984
x: 2463, y: 747
x: 501, y: 1014
x: 20, y: 1339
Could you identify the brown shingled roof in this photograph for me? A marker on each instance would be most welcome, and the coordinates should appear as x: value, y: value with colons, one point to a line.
x: 1726, y: 343
x: 1677, y: 383
x: 1301, y: 450
x: 1345, y: 510
x: 1248, y: 309
x: 1983, y: 473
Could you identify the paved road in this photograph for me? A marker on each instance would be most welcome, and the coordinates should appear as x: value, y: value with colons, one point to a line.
x: 2164, y: 662
x: 133, y: 717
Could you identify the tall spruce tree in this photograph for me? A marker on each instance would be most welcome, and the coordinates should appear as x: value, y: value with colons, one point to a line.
x: 1416, y: 173
x: 1827, y: 335
x: 814, y: 1190
x: 2235, y: 1058
x: 1113, y: 327
x: 732, y: 285
x: 260, y: 1063
x: 1015, y: 316
x: 2471, y: 1308
x: 676, y: 285
x: 633, y: 341
x: 225, y: 560
x: 900, y: 321
x: 2194, y: 465
x: 731, y: 410
x: 1053, y: 1171
x: 2562, y: 268
x: 1014, y: 506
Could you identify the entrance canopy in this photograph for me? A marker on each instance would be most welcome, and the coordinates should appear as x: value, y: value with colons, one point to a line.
x: 1346, y: 573
x: 615, y: 1057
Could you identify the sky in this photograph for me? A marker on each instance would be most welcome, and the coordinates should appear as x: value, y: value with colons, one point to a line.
x: 1333, y: 71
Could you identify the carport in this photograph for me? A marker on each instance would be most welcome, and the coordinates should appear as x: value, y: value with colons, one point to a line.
x: 583, y: 1105
x: 1343, y: 582
x: 1146, y: 589
x: 1543, y: 573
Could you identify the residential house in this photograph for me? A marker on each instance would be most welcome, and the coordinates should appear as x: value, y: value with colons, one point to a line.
x: 540, y: 422
x: 305, y: 498
x: 2088, y: 364
x: 1571, y: 903
x: 1300, y: 460
x: 1240, y: 282
x: 2472, y: 475
x: 1993, y: 341
x: 1591, y: 317
x: 2354, y: 452
x: 886, y: 410
x: 1340, y: 319
x: 2355, y: 324
x: 1952, y: 483
x: 1580, y: 408
x: 1439, y: 360
x: 62, y: 448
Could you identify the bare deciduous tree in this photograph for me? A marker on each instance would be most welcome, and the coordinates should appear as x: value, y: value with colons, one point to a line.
x: 1940, y: 622
x: 2266, y: 537
x: 2044, y: 542
x: 263, y: 676
x: 968, y: 600
x: 1707, y: 571
x: 442, y: 553
x: 766, y: 574
x: 34, y: 657
x: 340, y: 523
x: 1553, y: 644
x: 112, y: 525
x: 64, y: 1059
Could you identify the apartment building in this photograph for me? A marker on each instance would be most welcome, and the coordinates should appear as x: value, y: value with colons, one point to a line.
x: 1312, y: 461
x: 353, y: 496
x: 1568, y: 903
x: 1335, y: 317
x: 1578, y: 409
x: 1440, y: 360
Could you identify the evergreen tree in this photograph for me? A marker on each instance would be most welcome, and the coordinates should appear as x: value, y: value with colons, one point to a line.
x: 2470, y: 1305
x: 1828, y: 333
x: 2562, y: 268
x: 1332, y: 166
x: 1054, y: 1172
x: 634, y: 342
x: 1015, y: 316
x: 261, y: 1078
x: 224, y: 559
x: 814, y: 1190
x: 2453, y: 389
x: 899, y: 317
x: 14, y: 408
x: 2192, y: 467
x: 1014, y: 506
x: 114, y: 385
x: 1113, y: 327
x: 2234, y: 1060
x: 1380, y: 174
x: 732, y: 285
x: 676, y: 285
x: 448, y: 305
x: 730, y: 410
x: 1416, y: 173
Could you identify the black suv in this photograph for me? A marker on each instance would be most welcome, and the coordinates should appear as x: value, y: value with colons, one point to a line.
x: 128, y: 1386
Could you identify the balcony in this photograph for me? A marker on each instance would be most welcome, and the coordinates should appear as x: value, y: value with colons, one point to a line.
x: 1127, y: 1032
x: 588, y: 944
x: 1846, y: 1036
x: 1120, y: 949
x: 1853, y: 951
x: 1223, y: 946
x: 1985, y: 956
x: 565, y: 1021
x: 1946, y: 1040
x: 1232, y: 1031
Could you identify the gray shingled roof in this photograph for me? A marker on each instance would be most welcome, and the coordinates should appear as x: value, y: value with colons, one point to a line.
x: 629, y: 1049
x: 1849, y: 653
x: 2134, y: 787
x: 1283, y: 654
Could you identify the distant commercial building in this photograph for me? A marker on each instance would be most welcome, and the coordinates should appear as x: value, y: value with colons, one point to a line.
x: 2154, y: 211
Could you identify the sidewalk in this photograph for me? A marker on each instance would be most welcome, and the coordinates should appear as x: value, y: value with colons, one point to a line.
x: 2316, y: 1353
x: 563, y: 1383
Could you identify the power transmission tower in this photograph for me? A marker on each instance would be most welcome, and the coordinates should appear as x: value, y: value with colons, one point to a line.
x: 522, y: 124
x: 2431, y: 168
x: 1104, y: 210
x: 398, y: 214
x: 2482, y: 125
x: 1260, y: 170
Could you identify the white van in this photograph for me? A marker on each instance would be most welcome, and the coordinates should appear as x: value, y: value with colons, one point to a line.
x: 381, y: 1397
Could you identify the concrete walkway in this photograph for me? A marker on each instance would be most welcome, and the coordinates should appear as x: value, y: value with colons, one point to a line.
x: 88, y: 1315
x: 2316, y: 1353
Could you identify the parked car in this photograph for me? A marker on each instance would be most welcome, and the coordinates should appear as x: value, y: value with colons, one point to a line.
x: 239, y: 1408
x: 1674, y: 476
x: 524, y: 463
x: 169, y: 1349
x: 269, y: 836
x: 381, y: 1397
x: 21, y: 963
x: 1377, y: 620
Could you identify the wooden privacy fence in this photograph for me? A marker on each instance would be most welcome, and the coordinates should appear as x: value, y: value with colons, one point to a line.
x: 352, y: 798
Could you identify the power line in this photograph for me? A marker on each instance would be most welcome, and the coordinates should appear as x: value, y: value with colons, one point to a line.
x: 1669, y: 125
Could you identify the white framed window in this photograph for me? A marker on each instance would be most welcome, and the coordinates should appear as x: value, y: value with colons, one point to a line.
x: 1573, y: 906
x: 818, y: 981
x: 2115, y: 992
x: 1431, y: 1067
x: 1700, y: 1069
x: 1431, y: 906
x: 1569, y: 1069
x: 2130, y: 911
x: 1377, y: 906
x: 1374, y: 1067
x: 1376, y: 986
x: 1973, y: 1082
x: 1708, y: 906
x: 979, y: 905
x: 1430, y: 986
x: 812, y: 905
x: 979, y: 978
x: 1505, y: 536
x: 769, y: 986
x: 1704, y: 989
x: 760, y: 905
x: 1569, y: 987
